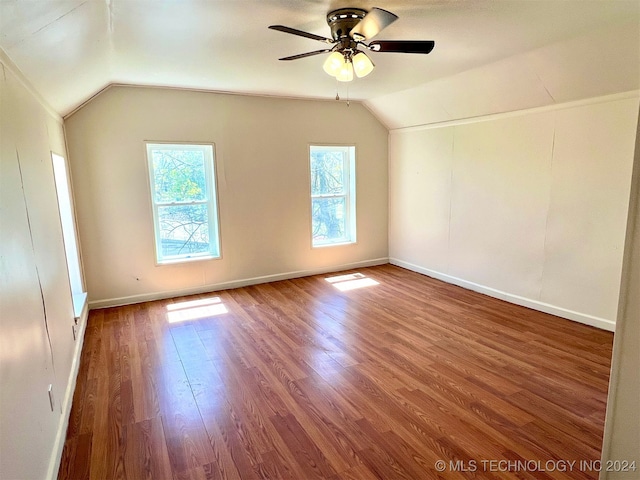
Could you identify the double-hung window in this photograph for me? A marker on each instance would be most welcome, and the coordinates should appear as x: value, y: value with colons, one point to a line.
x: 183, y: 196
x: 333, y: 201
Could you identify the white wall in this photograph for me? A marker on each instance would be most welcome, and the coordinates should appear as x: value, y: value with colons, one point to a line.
x: 262, y: 164
x: 36, y: 315
x: 528, y: 207
x: 622, y: 426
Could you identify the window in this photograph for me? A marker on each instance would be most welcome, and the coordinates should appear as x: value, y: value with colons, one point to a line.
x: 183, y: 196
x: 333, y: 202
x: 67, y: 221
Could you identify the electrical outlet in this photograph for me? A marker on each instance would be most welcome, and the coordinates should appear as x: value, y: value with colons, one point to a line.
x: 51, y: 399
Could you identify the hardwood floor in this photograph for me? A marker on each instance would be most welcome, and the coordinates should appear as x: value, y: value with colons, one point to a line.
x: 300, y: 380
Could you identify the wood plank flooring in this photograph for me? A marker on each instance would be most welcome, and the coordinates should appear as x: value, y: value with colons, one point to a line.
x: 307, y: 379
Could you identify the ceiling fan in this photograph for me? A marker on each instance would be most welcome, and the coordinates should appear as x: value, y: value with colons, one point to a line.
x: 350, y: 28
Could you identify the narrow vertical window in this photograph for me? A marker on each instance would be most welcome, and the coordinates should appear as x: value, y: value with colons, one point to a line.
x: 333, y: 205
x: 67, y: 221
x: 183, y: 196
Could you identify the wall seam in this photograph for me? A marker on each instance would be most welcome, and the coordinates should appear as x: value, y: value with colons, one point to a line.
x: 35, y: 262
x: 548, y: 212
x: 453, y: 146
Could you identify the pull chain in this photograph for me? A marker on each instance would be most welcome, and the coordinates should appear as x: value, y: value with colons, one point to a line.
x: 338, y: 95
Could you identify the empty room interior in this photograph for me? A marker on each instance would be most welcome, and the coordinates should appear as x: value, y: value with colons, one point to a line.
x: 285, y: 239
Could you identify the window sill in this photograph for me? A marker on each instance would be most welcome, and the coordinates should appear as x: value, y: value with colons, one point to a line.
x: 79, y: 302
x: 178, y: 261
x: 336, y: 244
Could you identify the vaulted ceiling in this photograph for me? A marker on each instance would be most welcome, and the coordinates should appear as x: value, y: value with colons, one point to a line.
x: 71, y: 49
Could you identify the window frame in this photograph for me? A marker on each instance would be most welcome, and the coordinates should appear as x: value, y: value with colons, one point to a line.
x: 211, y: 200
x: 349, y: 182
x: 66, y: 212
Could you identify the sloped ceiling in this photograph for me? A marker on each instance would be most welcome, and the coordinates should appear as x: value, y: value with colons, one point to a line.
x: 71, y: 49
x: 601, y: 62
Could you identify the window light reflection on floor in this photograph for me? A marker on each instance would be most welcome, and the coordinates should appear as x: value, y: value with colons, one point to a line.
x: 351, y: 281
x: 195, y: 309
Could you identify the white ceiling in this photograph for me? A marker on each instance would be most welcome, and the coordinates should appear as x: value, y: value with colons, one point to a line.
x: 71, y: 49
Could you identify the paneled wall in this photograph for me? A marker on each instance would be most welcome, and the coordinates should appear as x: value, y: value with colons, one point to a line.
x: 37, y: 348
x: 262, y: 161
x: 621, y: 441
x: 530, y: 207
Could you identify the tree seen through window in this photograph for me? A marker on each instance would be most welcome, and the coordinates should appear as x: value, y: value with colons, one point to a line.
x: 182, y: 200
x: 331, y: 194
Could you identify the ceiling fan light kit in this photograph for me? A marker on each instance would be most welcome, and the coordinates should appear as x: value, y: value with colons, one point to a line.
x: 350, y: 28
x: 343, y: 67
x: 362, y: 64
x: 345, y: 74
x: 333, y: 63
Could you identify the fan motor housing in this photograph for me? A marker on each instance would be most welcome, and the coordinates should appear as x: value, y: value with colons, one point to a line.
x: 341, y: 21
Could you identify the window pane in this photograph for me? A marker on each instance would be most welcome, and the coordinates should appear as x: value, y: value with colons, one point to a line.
x: 329, y: 219
x: 327, y: 172
x: 179, y: 175
x: 67, y: 222
x: 184, y: 230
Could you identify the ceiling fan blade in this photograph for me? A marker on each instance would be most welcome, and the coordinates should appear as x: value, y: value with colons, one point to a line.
x: 372, y: 23
x: 402, y: 46
x: 300, y: 33
x: 303, y: 55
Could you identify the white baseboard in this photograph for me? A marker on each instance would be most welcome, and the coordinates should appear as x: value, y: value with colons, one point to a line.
x: 147, y: 297
x: 597, y: 322
x: 61, y: 434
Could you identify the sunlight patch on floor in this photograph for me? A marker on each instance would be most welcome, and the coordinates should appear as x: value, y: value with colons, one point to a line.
x: 195, y: 309
x: 351, y: 281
